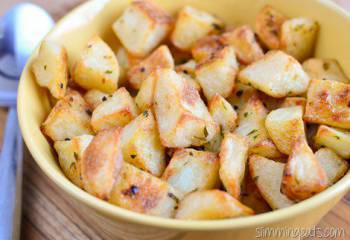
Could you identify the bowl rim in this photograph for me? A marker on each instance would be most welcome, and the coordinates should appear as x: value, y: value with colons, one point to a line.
x: 119, y: 213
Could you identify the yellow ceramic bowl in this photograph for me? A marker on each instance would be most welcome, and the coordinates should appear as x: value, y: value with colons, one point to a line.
x: 96, y: 17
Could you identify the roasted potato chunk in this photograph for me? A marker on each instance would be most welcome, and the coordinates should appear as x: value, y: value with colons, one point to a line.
x: 160, y: 58
x: 117, y: 110
x: 50, y: 68
x: 69, y: 117
x: 267, y: 175
x: 206, y: 46
x: 70, y: 153
x: 223, y: 113
x: 221, y: 67
x: 240, y: 96
x: 141, y: 144
x: 334, y: 166
x: 284, y: 126
x: 293, y: 102
x: 95, y: 97
x: 97, y: 67
x: 102, y: 162
x: 233, y: 159
x: 243, y: 40
x: 142, y: 26
x: 182, y: 117
x: 303, y: 174
x: 276, y: 74
x: 144, y: 97
x: 211, y: 204
x: 126, y: 61
x: 328, y: 103
x: 335, y: 139
x: 190, y: 170
x: 141, y: 192
x: 298, y: 37
x: 191, y: 25
x: 330, y: 69
x: 268, y: 26
x: 251, y: 124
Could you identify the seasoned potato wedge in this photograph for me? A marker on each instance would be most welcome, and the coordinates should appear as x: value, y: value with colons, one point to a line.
x: 303, y: 174
x: 294, y: 101
x: 191, y: 25
x: 284, y: 126
x: 240, y: 95
x: 252, y: 126
x: 70, y: 153
x: 335, y: 139
x: 142, y: 26
x: 205, y: 47
x: 335, y: 166
x: 233, y: 159
x: 101, y: 163
x: 182, y: 117
x: 330, y: 69
x: 221, y: 67
x: 94, y: 97
x: 141, y: 144
x: 69, y: 117
x: 267, y: 175
x: 190, y: 170
x: 276, y: 74
x: 328, y: 103
x: 160, y: 58
x: 97, y: 67
x: 298, y: 37
x: 243, y: 40
x: 268, y: 26
x: 117, y: 110
x: 211, y: 204
x: 222, y: 113
x: 141, y: 192
x: 50, y: 68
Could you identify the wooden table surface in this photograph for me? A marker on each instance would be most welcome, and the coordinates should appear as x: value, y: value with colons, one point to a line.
x: 47, y: 213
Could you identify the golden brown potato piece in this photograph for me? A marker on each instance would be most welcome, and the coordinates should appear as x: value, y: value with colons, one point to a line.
x: 94, y: 97
x: 70, y: 153
x: 303, y: 174
x: 142, y: 26
x: 209, y: 205
x: 205, y: 47
x: 50, y: 68
x: 223, y: 113
x: 144, y: 97
x: 328, y: 103
x: 191, y: 25
x: 97, y: 67
x: 160, y: 58
x: 267, y: 175
x: 293, y: 102
x: 233, y: 159
x: 222, y: 67
x: 240, y: 95
x: 117, y: 110
x: 334, y: 138
x: 251, y: 120
x: 182, y: 117
x: 141, y: 192
x: 284, y: 126
x: 330, y: 69
x: 276, y: 74
x: 190, y: 170
x: 243, y: 40
x: 298, y: 37
x: 268, y: 26
x: 69, y: 117
x: 335, y: 166
x: 101, y: 163
x: 141, y: 144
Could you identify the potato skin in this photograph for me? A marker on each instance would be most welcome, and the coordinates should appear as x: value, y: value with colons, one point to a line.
x: 328, y: 103
x: 303, y: 175
x: 101, y: 163
x: 211, y: 204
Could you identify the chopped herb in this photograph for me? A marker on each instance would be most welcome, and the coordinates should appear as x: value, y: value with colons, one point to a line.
x: 217, y: 26
x: 256, y: 136
x: 185, y: 71
x: 61, y: 85
x: 205, y: 131
x: 245, y: 114
x: 75, y: 155
x: 239, y: 93
x: 325, y: 66
x: 172, y: 196
x: 45, y: 67
x: 145, y: 113
x: 104, y: 98
x: 298, y: 27
x: 109, y: 71
x: 235, y: 107
x: 90, y: 46
x: 337, y: 137
x: 252, y: 131
x: 88, y: 112
x: 191, y: 153
x: 289, y: 93
x: 224, y: 106
x: 110, y: 95
x: 142, y: 69
x: 255, y: 179
x: 67, y: 139
x: 133, y: 156
x: 222, y: 132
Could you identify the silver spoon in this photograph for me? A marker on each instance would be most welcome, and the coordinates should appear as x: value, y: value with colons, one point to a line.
x: 21, y: 30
